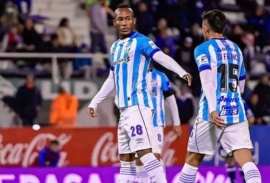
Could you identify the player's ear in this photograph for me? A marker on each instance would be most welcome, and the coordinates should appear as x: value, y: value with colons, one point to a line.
x: 114, y: 22
x: 134, y: 21
x: 205, y: 28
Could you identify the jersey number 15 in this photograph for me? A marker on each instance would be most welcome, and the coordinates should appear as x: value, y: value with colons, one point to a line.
x: 232, y: 75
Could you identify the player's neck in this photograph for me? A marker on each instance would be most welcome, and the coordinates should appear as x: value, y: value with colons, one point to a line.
x: 121, y: 37
x: 216, y: 36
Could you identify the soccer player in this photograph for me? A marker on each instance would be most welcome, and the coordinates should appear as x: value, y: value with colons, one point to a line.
x: 159, y: 88
x: 230, y: 162
x: 221, y: 115
x: 130, y: 56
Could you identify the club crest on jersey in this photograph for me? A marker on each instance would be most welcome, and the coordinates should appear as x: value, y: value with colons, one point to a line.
x: 127, y: 49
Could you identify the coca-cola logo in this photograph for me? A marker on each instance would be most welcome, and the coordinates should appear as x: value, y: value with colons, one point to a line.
x: 105, y: 151
x: 168, y: 153
x: 24, y: 154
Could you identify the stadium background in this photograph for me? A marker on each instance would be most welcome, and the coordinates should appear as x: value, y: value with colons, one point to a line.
x: 36, y: 40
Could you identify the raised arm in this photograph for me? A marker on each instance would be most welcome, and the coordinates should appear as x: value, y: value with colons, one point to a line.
x: 169, y: 63
x: 105, y: 90
x: 152, y: 51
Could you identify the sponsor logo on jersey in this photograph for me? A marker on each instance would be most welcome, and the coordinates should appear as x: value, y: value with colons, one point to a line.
x: 152, y: 44
x: 202, y: 59
x: 229, y: 110
x: 126, y: 59
x: 228, y: 99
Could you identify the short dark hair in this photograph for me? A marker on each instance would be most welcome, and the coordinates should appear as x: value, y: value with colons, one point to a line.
x: 54, y: 142
x: 123, y: 5
x: 216, y: 20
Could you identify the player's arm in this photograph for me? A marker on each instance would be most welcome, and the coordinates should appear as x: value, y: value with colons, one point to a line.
x: 152, y: 51
x: 250, y: 118
x: 208, y: 84
x: 105, y: 90
x: 242, y: 81
x: 207, y: 79
x: 242, y: 78
x: 249, y: 114
x: 171, y: 101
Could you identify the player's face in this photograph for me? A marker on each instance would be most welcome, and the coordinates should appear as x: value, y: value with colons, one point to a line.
x: 124, y: 21
x: 54, y: 147
x: 205, y: 30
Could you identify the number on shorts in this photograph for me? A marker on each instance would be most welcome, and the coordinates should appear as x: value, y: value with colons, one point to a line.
x: 136, y: 130
x: 159, y: 137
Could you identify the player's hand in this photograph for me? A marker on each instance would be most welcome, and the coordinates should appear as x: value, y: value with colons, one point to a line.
x: 217, y: 120
x: 91, y: 112
x: 188, y: 78
x: 177, y: 130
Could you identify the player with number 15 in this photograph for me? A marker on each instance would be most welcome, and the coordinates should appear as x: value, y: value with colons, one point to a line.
x: 221, y: 115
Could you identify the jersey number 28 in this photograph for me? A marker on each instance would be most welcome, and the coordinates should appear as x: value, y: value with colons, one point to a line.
x: 233, y: 77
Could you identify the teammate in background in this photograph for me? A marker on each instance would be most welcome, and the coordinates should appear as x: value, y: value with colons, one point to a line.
x: 230, y: 162
x: 130, y: 57
x: 159, y: 88
x: 221, y: 115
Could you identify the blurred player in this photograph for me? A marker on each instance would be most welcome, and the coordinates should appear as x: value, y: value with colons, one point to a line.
x: 130, y: 56
x: 230, y: 162
x: 221, y: 115
x: 159, y: 88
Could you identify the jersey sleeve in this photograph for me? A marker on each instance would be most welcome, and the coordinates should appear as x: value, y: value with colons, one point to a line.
x: 165, y: 85
x: 201, y: 59
x: 112, y: 52
x: 242, y: 72
x: 149, y: 48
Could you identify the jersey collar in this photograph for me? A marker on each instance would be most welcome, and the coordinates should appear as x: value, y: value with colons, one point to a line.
x: 219, y: 38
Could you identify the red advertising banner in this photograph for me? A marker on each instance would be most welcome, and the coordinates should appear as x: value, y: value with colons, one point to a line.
x: 80, y: 146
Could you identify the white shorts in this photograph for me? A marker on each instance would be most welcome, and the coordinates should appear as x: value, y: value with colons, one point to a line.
x: 135, y: 129
x: 157, y: 139
x: 205, y: 135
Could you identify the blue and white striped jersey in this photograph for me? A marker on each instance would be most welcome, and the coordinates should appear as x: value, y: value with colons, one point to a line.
x: 225, y: 59
x: 158, y: 83
x: 130, y: 60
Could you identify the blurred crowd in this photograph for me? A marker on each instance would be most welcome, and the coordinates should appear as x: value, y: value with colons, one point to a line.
x: 174, y: 25
x: 20, y: 32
